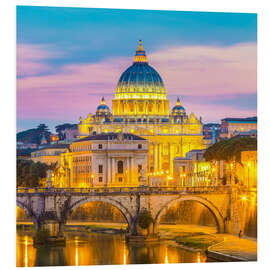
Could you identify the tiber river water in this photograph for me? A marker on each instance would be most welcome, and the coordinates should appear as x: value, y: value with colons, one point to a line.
x: 84, y: 248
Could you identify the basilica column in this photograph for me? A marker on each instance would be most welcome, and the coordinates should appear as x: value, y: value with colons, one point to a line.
x: 160, y: 157
x: 113, y: 170
x: 171, y: 155
x: 132, y: 171
x: 155, y: 157
x: 135, y: 107
x: 127, y: 172
x: 109, y: 172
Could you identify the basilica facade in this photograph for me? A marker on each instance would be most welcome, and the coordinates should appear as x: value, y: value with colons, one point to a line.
x: 140, y: 107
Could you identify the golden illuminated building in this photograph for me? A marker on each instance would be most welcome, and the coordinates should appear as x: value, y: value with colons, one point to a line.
x: 234, y: 126
x: 50, y: 154
x: 140, y: 107
x: 112, y: 159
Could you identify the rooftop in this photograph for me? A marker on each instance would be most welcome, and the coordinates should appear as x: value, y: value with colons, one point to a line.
x: 110, y: 137
x: 248, y: 119
x: 53, y: 146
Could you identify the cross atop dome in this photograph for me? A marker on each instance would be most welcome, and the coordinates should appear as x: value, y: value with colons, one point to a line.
x: 140, y: 56
x: 140, y: 46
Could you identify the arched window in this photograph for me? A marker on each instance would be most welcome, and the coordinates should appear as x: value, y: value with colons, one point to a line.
x: 120, y: 166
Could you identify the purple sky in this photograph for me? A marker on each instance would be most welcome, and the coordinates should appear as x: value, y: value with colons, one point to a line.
x: 59, y: 80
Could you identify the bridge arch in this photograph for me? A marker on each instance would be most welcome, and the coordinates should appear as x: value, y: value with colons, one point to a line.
x: 28, y: 211
x: 126, y: 214
x: 209, y: 205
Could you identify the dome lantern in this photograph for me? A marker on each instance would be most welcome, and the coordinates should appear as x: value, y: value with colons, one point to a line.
x: 140, y: 56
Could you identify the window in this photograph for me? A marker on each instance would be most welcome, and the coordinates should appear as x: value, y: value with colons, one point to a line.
x: 139, y: 146
x: 120, y: 179
x: 100, y: 179
x: 120, y: 166
x: 100, y: 169
x: 139, y: 167
x: 100, y: 146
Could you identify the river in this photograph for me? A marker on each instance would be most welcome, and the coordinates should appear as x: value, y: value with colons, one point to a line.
x: 83, y: 248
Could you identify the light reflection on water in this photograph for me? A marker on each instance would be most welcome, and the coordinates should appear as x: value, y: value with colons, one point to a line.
x: 98, y: 249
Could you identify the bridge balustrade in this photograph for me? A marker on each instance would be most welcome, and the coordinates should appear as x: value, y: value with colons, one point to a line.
x: 151, y: 189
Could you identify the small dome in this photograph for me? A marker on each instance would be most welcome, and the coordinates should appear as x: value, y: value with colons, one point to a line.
x: 178, y: 109
x: 103, y: 109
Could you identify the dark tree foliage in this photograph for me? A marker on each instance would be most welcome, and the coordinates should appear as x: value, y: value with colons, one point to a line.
x: 29, y: 173
x: 60, y: 129
x: 34, y: 135
x: 144, y: 219
x: 230, y: 149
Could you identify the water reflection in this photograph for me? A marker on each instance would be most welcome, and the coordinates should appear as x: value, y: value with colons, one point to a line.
x: 98, y: 249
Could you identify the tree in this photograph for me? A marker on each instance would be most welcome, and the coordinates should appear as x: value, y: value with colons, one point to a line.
x: 34, y: 135
x: 61, y: 128
x: 29, y: 173
x: 144, y: 219
x: 230, y: 149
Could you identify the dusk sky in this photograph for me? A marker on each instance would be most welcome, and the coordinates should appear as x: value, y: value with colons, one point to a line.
x: 68, y: 58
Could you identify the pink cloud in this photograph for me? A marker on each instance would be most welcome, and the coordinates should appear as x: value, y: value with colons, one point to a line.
x: 214, y: 112
x: 189, y: 70
x: 30, y: 57
x: 207, y: 70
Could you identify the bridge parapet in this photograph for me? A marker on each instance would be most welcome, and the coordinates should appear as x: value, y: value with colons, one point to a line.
x: 127, y: 190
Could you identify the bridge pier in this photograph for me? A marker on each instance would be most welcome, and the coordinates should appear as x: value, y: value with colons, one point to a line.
x: 142, y: 228
x: 49, y: 230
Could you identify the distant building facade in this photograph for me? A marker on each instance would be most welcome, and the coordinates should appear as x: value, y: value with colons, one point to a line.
x: 211, y: 131
x: 49, y: 154
x: 233, y: 126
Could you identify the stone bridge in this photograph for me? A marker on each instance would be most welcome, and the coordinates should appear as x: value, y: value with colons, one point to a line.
x: 51, y: 207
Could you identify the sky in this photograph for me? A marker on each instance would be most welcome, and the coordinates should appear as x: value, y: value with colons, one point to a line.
x: 69, y: 58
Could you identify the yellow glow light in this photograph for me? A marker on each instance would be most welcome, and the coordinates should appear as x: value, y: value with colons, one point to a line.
x: 26, y: 251
x: 244, y: 198
x: 249, y: 164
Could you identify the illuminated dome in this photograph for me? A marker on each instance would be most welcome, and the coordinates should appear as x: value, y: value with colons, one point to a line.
x: 178, y: 109
x: 140, y: 80
x: 103, y: 109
